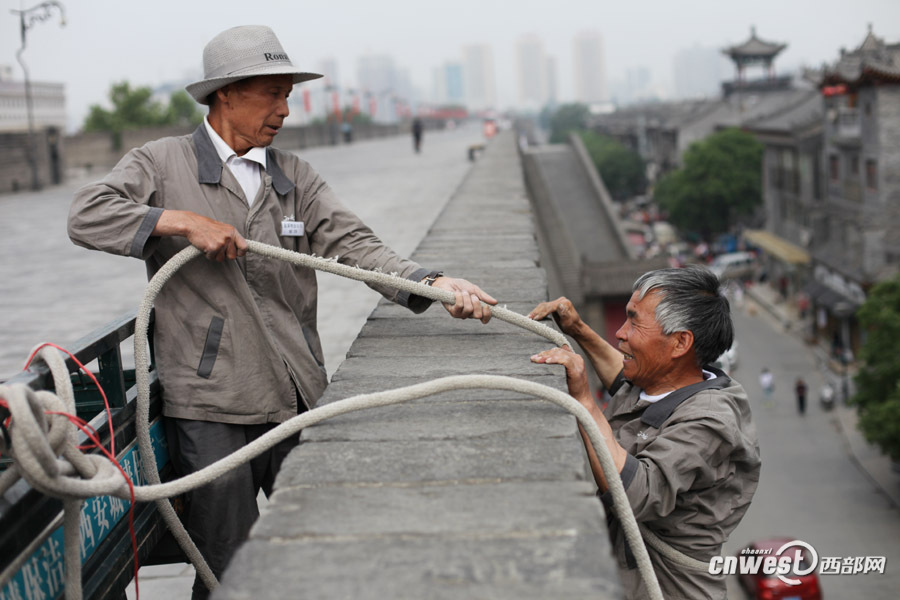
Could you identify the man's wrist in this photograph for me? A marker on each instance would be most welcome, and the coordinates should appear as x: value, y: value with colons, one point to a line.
x: 579, y: 331
x: 173, y: 222
x: 432, y: 277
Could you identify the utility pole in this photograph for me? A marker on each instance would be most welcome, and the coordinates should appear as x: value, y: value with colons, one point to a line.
x: 27, y: 19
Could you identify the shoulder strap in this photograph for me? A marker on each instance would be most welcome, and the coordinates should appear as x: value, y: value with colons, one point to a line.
x: 658, y: 413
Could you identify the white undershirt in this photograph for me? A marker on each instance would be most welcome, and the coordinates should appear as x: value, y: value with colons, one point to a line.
x: 246, y: 169
x: 651, y: 399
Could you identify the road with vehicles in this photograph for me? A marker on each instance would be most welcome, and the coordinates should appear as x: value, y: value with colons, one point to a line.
x: 810, y: 488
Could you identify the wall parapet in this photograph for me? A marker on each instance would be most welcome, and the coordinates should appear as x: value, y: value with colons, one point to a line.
x: 450, y: 496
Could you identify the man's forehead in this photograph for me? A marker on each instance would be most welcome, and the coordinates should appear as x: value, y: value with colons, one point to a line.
x: 637, y: 305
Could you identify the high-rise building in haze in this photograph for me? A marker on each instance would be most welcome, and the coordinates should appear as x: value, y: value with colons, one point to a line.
x: 376, y: 73
x: 449, y: 87
x: 378, y: 76
x: 699, y: 72
x: 552, y: 82
x: 328, y: 67
x: 531, y: 73
x: 589, y: 68
x: 481, y: 84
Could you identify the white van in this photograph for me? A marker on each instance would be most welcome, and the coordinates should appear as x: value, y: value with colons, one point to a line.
x: 734, y: 265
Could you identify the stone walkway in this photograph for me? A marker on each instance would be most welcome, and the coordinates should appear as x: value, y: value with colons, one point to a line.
x: 446, y: 497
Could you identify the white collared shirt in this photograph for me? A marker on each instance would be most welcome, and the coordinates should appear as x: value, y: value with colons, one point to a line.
x: 246, y: 169
x: 707, y: 375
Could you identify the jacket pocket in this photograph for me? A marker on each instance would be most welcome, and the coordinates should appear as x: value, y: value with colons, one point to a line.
x: 211, y: 348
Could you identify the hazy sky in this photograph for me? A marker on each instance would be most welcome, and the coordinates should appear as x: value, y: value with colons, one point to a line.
x: 155, y: 41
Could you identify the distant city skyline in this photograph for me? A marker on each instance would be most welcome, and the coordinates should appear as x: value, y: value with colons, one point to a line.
x: 480, y: 76
x: 589, y: 68
x: 532, y: 73
x: 107, y: 41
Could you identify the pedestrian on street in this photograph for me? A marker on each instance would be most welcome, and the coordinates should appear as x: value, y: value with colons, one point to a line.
x: 767, y: 383
x: 236, y: 341
x: 826, y: 396
x: 800, y: 391
x: 679, y: 431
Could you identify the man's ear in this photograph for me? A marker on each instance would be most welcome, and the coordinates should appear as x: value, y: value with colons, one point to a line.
x: 683, y: 343
x: 223, y: 93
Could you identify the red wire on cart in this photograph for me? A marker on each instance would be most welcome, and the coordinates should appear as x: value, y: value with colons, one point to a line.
x: 92, y: 435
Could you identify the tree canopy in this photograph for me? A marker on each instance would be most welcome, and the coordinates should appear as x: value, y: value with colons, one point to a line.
x: 135, y: 107
x: 721, y: 180
x: 568, y: 117
x: 878, y: 380
x: 622, y: 169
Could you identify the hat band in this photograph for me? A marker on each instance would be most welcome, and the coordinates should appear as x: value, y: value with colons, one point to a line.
x: 253, y: 61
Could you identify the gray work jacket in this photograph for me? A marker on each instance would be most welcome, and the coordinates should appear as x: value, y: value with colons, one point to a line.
x: 235, y: 341
x: 692, y: 468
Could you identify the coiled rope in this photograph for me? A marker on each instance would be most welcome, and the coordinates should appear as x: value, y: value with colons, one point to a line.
x: 44, y: 453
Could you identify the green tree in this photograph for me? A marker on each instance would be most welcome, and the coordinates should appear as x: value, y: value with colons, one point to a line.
x: 721, y: 181
x: 568, y: 117
x: 133, y: 108
x: 878, y: 381
x: 622, y: 169
x: 183, y: 110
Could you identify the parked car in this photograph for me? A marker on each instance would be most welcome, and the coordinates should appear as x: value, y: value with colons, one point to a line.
x: 734, y: 265
x: 760, y: 586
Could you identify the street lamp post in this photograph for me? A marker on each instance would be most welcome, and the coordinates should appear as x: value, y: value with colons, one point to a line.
x: 27, y: 19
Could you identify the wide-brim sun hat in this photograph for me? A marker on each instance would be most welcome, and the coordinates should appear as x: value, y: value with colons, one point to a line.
x: 239, y: 53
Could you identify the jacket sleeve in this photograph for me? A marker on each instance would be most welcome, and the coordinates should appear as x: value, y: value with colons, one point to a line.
x: 683, y: 455
x: 335, y: 231
x: 118, y: 213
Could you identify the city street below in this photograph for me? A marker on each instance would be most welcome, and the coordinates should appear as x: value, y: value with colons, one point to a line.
x: 810, y: 488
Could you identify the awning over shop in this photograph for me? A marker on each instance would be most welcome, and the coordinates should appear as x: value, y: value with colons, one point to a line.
x: 837, y: 303
x: 777, y: 247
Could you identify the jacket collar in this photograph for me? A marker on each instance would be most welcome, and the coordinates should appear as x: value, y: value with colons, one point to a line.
x: 209, y: 165
x: 658, y: 413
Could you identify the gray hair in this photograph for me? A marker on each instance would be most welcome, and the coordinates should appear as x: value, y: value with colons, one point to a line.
x: 691, y: 299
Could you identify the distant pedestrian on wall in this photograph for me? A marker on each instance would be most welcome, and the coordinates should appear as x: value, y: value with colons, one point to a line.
x: 767, y: 383
x: 417, y: 134
x: 800, y: 391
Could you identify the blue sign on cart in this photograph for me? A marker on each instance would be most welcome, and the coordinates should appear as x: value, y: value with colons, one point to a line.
x: 42, y: 575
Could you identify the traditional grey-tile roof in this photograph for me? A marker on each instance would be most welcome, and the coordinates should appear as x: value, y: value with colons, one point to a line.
x: 872, y: 59
x: 807, y: 111
x: 754, y: 48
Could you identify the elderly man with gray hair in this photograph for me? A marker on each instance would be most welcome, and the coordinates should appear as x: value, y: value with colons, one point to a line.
x: 235, y: 336
x: 679, y: 430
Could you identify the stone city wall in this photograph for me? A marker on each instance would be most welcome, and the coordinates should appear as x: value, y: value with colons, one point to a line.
x: 468, y: 494
x: 97, y: 152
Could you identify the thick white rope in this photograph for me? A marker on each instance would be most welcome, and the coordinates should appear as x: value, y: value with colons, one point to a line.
x: 68, y: 485
x: 38, y: 439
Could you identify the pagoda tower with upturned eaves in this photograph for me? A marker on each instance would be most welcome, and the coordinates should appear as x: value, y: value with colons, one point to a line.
x: 755, y: 52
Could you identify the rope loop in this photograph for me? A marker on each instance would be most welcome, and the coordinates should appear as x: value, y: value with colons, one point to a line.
x: 43, y: 453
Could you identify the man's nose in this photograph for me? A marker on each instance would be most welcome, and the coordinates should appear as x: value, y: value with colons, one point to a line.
x: 283, y: 109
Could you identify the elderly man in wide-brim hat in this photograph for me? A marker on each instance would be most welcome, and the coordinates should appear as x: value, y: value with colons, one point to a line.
x: 235, y: 336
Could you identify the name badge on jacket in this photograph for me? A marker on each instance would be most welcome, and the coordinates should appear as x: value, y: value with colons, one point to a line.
x: 292, y: 228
